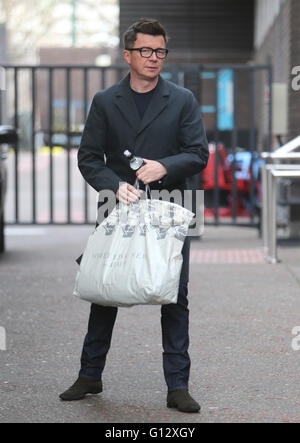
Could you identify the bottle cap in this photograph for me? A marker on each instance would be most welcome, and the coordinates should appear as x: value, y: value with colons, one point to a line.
x: 127, y: 153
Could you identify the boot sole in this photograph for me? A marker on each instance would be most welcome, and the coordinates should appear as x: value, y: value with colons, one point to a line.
x: 174, y: 406
x: 96, y: 391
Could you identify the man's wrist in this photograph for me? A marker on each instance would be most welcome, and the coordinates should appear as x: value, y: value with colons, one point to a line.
x: 160, y: 181
x: 164, y: 168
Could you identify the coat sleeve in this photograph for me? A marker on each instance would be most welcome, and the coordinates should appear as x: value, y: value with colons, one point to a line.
x: 91, y: 151
x: 193, y: 144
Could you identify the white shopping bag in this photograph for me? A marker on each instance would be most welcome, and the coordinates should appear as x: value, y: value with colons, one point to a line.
x: 134, y: 255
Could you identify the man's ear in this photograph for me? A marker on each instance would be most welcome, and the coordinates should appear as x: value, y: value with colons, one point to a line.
x: 126, y: 56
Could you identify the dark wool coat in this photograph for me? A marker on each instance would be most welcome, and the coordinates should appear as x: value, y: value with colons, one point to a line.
x: 170, y: 132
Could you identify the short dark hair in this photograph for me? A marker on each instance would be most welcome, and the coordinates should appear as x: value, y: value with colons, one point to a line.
x: 149, y: 26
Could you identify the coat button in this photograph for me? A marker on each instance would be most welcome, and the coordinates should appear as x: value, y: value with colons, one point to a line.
x: 160, y: 182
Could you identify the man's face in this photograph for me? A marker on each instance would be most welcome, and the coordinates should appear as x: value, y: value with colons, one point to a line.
x: 145, y: 68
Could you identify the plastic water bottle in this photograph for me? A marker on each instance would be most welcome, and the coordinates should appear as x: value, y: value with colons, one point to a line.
x: 134, y: 162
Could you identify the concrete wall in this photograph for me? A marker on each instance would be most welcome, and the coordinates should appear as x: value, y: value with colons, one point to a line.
x: 281, y: 49
x: 294, y: 96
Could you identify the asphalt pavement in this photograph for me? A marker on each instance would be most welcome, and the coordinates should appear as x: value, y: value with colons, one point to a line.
x: 242, y: 313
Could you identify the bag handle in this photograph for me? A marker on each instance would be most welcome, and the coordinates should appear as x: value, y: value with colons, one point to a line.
x: 147, y: 188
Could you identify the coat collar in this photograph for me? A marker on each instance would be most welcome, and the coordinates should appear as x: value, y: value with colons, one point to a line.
x: 126, y: 104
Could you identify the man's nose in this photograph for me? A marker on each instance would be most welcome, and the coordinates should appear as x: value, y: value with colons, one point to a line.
x: 153, y: 56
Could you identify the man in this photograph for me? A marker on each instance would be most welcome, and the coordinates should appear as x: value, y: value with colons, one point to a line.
x: 161, y: 122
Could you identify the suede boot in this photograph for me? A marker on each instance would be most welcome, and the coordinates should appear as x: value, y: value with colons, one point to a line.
x: 80, y: 388
x: 182, y: 400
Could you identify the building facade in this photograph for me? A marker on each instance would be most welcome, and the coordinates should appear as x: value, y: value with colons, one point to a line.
x: 200, y: 31
x: 261, y: 32
x: 277, y: 42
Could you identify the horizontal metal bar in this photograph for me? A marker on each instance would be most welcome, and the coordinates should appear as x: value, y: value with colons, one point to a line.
x: 288, y: 147
x: 63, y: 132
x: 269, y: 155
x: 285, y: 173
x: 284, y: 149
x: 225, y: 66
x: 123, y: 67
x: 238, y: 223
x: 282, y: 167
x: 37, y: 223
x: 288, y: 202
x: 77, y: 67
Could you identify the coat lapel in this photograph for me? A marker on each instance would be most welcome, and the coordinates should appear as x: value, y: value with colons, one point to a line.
x: 157, y: 104
x: 126, y: 104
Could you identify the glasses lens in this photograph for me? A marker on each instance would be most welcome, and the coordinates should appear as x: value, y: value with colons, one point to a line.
x: 146, y: 52
x: 161, y: 53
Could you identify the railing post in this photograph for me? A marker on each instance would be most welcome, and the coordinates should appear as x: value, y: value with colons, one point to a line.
x: 272, y: 252
x: 264, y: 207
x: 33, y: 123
x: 16, y: 147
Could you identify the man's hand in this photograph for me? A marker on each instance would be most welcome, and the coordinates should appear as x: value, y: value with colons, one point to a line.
x: 128, y: 194
x: 151, y: 171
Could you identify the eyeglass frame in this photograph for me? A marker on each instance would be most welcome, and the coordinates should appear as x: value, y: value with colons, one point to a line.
x: 153, y: 50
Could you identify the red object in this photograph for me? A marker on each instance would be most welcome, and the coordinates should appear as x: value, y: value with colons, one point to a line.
x: 224, y: 169
x: 224, y: 183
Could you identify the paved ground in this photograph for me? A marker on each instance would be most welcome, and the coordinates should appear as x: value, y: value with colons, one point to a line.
x: 242, y: 313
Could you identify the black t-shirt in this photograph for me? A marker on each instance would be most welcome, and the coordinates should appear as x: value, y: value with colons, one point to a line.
x: 142, y: 100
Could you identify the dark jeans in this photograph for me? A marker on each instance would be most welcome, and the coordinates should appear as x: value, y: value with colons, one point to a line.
x: 175, y: 340
x: 175, y: 337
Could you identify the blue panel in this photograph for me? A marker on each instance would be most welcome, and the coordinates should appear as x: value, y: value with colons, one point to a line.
x: 208, y: 109
x: 225, y: 99
x: 207, y: 75
x: 166, y: 75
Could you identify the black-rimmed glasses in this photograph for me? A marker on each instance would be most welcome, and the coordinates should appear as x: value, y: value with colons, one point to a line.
x: 147, y: 52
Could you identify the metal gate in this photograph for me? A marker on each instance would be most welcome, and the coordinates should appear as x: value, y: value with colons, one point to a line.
x: 49, y: 104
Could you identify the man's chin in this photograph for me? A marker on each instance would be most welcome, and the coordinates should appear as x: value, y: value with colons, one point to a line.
x: 151, y: 74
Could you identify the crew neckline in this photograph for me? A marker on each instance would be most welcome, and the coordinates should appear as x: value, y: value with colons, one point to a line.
x: 143, y: 93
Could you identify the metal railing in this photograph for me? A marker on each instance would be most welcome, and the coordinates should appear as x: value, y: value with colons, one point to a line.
x: 270, y: 173
x: 43, y: 86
